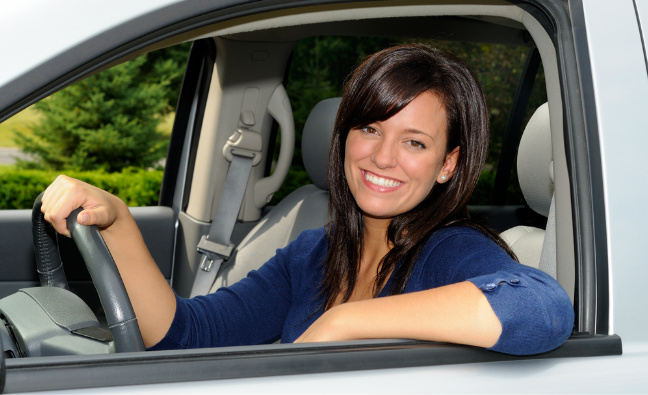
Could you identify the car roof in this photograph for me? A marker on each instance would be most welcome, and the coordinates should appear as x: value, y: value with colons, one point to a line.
x: 41, y: 41
x: 66, y: 40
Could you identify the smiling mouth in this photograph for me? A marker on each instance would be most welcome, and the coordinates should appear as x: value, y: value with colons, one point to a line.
x: 381, y: 181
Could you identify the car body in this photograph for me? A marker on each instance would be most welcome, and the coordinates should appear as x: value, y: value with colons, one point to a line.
x: 595, y: 65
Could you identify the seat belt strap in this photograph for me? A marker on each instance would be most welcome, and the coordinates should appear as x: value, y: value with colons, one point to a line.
x: 216, y: 246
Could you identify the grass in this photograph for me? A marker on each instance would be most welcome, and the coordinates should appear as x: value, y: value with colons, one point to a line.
x: 19, y: 123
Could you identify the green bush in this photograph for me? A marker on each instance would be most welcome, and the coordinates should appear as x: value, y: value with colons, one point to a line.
x: 136, y: 187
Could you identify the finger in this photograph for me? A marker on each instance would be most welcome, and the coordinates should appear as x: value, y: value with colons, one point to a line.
x: 94, y: 216
x: 62, y: 197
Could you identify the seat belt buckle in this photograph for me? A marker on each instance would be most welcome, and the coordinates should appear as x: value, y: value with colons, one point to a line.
x: 246, y: 143
x: 212, y: 251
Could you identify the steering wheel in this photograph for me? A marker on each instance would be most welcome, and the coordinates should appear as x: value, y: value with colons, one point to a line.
x: 103, y: 271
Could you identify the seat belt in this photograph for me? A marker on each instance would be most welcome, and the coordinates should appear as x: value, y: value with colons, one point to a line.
x: 243, y: 150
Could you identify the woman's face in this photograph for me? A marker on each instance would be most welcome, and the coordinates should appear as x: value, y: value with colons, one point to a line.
x: 391, y: 166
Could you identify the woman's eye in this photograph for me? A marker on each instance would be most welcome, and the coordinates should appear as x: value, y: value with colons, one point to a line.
x: 368, y: 130
x: 416, y: 144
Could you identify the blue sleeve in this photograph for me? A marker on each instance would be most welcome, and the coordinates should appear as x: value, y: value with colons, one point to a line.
x: 535, y: 311
x: 251, y: 311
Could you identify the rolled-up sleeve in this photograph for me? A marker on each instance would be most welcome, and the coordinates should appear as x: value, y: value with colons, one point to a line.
x: 535, y: 312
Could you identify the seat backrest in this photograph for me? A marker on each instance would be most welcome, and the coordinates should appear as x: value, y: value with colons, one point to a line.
x: 304, y: 208
x: 535, y: 173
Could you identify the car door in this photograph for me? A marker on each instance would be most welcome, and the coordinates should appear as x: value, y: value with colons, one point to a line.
x: 157, y: 223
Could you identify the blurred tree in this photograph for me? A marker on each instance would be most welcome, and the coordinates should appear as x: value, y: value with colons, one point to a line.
x: 108, y: 121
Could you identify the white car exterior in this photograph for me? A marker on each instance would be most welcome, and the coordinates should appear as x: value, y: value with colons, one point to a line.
x: 611, y: 59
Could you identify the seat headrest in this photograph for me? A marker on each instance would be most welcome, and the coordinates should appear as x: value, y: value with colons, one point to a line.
x: 535, y: 162
x: 316, y: 139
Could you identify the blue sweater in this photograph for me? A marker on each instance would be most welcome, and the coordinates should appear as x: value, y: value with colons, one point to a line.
x: 280, y: 300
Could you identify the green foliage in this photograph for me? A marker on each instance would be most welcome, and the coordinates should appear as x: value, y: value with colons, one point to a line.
x: 136, y: 187
x: 108, y: 121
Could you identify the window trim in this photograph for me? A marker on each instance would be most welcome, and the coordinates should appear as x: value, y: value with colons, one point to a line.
x: 156, y: 367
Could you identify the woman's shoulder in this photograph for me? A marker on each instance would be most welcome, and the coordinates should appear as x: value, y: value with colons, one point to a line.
x: 308, y: 242
x: 461, y: 250
x: 310, y: 237
x: 460, y: 235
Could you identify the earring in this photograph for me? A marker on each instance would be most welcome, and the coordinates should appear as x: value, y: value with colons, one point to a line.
x: 444, y: 178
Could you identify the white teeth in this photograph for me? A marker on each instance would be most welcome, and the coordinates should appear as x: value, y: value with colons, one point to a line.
x: 383, y: 182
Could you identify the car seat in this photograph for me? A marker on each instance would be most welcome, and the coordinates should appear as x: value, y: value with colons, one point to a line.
x: 304, y: 208
x: 307, y: 207
x: 534, y: 246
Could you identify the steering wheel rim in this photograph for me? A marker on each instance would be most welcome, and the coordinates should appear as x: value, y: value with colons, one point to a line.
x: 120, y: 315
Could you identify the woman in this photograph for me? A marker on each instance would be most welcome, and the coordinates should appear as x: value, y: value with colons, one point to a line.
x: 400, y: 257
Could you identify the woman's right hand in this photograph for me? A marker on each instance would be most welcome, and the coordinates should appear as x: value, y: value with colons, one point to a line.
x: 67, y: 194
x: 152, y: 298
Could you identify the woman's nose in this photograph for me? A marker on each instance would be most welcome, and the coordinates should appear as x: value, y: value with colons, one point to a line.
x: 384, y: 155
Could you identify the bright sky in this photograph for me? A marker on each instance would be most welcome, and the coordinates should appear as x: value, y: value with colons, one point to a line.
x: 32, y: 31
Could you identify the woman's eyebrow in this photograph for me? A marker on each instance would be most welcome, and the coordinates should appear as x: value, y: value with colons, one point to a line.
x: 417, y: 131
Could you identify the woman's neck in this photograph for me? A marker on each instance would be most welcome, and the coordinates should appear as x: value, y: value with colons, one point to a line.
x: 376, y: 246
x: 375, y: 234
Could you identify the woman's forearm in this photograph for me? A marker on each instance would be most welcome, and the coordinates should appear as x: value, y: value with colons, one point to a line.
x: 457, y: 313
x: 151, y: 296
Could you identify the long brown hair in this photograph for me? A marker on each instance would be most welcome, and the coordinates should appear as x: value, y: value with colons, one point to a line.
x: 380, y: 87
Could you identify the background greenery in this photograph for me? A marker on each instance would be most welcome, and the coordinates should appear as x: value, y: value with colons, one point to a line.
x: 112, y: 129
x: 137, y: 187
x: 108, y: 121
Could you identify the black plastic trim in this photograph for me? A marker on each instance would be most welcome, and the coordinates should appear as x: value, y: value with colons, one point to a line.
x: 194, y: 92
x: 583, y: 153
x: 587, y: 171
x: 514, y: 127
x: 57, y: 373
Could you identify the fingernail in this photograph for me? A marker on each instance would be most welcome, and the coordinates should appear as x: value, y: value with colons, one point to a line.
x: 84, y: 219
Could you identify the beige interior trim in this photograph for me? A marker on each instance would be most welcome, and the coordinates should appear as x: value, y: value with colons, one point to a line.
x: 564, y: 228
x: 368, y: 10
x: 206, y: 183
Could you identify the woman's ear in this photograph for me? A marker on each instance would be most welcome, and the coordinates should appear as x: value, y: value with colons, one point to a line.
x: 449, y: 166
